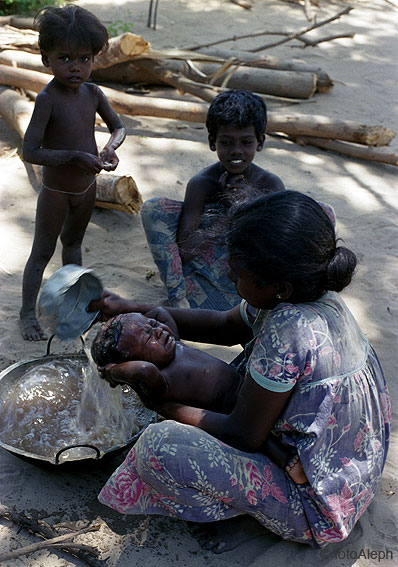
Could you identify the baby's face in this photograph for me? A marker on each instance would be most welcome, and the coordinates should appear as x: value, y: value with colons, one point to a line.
x: 146, y: 339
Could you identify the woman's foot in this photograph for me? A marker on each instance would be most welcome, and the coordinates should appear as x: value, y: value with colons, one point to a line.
x: 295, y: 470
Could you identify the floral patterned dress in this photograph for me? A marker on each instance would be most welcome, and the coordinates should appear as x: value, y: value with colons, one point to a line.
x: 337, y: 419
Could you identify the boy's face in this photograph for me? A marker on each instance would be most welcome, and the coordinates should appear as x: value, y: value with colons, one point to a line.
x: 236, y: 147
x: 70, y: 67
x: 146, y: 339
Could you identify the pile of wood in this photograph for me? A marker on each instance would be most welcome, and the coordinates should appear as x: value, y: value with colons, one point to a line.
x: 202, y: 71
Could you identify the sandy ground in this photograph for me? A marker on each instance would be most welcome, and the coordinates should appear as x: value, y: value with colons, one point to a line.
x: 162, y: 155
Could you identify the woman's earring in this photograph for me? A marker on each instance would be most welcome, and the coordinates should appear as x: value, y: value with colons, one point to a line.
x: 278, y: 296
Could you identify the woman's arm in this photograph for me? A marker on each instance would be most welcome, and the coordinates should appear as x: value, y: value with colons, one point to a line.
x: 246, y: 427
x: 200, y: 325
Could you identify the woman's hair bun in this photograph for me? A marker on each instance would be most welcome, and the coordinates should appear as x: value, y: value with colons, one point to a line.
x: 340, y: 269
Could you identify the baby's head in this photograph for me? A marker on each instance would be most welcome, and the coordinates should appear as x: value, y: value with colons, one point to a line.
x: 72, y: 26
x: 238, y: 108
x: 132, y: 336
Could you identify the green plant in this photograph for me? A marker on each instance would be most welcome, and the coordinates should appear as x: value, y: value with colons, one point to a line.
x: 24, y: 7
x: 117, y: 27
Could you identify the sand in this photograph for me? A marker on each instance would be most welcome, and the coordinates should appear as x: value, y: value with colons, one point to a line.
x: 162, y: 155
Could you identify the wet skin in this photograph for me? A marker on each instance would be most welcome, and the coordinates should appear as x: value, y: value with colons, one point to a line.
x: 163, y: 366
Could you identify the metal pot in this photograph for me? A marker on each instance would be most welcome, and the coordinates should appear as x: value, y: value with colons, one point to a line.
x: 9, y: 377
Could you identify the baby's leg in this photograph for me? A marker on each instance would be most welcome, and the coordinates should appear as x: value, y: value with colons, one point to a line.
x: 50, y: 214
x: 76, y: 221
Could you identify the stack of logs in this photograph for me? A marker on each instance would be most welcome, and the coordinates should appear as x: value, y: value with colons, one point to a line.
x: 130, y: 60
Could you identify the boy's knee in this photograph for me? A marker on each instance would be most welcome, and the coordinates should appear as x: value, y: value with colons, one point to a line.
x: 158, y: 207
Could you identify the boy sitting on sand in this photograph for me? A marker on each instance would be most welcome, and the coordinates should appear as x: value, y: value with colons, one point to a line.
x: 236, y: 123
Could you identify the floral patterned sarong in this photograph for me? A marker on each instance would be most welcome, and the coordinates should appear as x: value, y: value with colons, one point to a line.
x: 202, y: 282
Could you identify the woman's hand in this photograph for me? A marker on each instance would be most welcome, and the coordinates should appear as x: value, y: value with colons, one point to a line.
x: 112, y: 304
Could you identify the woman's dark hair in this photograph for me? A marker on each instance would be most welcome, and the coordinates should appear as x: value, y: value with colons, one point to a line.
x: 104, y: 348
x: 288, y: 237
x: 242, y: 108
x: 72, y: 25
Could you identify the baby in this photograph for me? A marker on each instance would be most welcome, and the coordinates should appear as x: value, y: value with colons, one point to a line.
x: 161, y: 367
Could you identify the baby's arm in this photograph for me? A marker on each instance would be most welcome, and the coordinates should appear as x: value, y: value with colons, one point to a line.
x: 115, y: 127
x: 32, y: 145
x: 144, y: 377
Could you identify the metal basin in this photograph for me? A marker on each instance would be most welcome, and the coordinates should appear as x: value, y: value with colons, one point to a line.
x: 65, y: 453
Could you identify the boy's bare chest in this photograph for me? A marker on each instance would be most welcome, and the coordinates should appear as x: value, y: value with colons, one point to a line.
x: 73, y: 116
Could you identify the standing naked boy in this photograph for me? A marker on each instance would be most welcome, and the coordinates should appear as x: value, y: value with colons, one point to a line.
x: 236, y: 123
x: 61, y: 138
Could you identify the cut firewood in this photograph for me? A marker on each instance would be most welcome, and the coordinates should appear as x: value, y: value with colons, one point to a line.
x: 118, y: 192
x: 15, y: 109
x: 265, y: 81
x: 121, y: 48
x: 320, y: 126
x: 347, y: 149
x: 14, y: 38
x: 324, y: 82
x: 23, y: 60
x: 293, y: 125
x: 17, y: 22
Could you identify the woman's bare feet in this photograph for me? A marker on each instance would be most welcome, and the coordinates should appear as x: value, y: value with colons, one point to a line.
x: 295, y: 470
x: 30, y: 328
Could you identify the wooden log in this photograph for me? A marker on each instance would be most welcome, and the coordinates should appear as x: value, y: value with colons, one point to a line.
x: 294, y: 125
x: 320, y: 126
x: 15, y: 109
x: 122, y: 103
x: 17, y: 22
x: 324, y: 82
x: 118, y: 192
x: 265, y: 81
x: 347, y: 149
x: 13, y: 38
x: 23, y: 60
x: 121, y: 48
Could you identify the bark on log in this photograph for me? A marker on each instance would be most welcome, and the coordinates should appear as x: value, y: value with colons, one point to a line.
x: 14, y: 38
x: 324, y: 82
x: 121, y: 48
x: 299, y: 125
x: 121, y: 102
x: 17, y: 22
x: 15, y: 109
x: 344, y: 148
x: 296, y: 125
x: 119, y: 193
x: 288, y: 84
x: 23, y: 60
